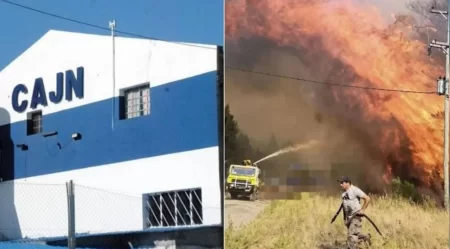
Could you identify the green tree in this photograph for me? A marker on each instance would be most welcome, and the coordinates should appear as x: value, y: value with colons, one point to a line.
x: 231, y: 135
x: 258, y: 154
x: 272, y: 146
x: 244, y: 148
x: 238, y: 145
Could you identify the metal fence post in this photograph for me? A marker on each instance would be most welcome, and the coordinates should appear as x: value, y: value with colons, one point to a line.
x: 71, y: 242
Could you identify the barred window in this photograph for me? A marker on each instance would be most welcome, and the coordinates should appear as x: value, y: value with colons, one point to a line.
x: 34, y: 123
x: 137, y: 101
x: 174, y: 208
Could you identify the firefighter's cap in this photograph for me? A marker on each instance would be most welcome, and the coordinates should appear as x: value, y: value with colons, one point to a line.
x: 344, y: 179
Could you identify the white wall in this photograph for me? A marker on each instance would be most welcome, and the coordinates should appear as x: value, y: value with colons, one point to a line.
x: 32, y: 208
x: 110, y: 196
x: 137, y: 61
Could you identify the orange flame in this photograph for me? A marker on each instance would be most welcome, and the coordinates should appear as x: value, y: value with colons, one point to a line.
x: 379, y: 53
x: 387, y: 176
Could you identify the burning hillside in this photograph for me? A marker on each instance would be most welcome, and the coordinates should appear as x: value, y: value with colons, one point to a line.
x: 348, y: 43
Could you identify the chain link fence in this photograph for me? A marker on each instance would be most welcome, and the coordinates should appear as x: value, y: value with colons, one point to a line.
x: 47, y: 212
x: 30, y: 210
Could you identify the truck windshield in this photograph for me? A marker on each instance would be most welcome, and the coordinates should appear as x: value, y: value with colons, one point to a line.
x: 243, y: 171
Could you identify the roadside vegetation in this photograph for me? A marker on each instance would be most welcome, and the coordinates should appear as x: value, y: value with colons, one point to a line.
x: 406, y: 222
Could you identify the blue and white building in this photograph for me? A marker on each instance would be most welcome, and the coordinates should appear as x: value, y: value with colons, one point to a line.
x: 148, y: 123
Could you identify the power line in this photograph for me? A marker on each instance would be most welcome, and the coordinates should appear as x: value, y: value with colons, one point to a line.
x: 330, y: 83
x: 97, y: 26
x: 232, y: 68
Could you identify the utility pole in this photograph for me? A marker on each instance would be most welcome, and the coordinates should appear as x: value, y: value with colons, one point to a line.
x: 71, y: 239
x: 112, y: 26
x: 442, y: 89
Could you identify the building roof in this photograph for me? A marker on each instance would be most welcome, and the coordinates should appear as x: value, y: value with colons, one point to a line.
x: 67, y: 37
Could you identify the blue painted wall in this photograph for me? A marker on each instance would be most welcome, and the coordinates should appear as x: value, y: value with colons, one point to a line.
x: 183, y: 117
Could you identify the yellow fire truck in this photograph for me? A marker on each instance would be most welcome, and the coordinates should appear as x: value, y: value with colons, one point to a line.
x: 244, y: 180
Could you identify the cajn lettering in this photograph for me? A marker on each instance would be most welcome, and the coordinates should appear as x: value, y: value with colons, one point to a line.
x: 64, y: 81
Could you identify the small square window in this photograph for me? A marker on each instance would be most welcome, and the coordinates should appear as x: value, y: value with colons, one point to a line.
x: 34, y: 123
x: 135, y: 102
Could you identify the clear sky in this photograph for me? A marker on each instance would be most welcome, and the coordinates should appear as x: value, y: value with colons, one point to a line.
x: 199, y: 21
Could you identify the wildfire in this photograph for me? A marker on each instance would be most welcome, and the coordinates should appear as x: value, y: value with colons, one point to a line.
x: 387, y: 176
x: 379, y: 55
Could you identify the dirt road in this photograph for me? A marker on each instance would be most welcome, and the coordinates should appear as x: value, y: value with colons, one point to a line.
x: 242, y: 211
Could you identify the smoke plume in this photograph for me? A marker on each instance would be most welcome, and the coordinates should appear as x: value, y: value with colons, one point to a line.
x: 381, y: 134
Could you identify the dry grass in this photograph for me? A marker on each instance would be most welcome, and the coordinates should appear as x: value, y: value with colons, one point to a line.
x: 306, y: 224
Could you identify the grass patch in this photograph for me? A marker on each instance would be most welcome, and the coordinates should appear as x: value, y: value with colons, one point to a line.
x: 306, y: 224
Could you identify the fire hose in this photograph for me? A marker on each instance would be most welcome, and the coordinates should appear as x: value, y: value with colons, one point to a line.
x: 347, y: 223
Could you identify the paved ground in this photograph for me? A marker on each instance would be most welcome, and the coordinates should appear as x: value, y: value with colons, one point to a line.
x: 242, y: 211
